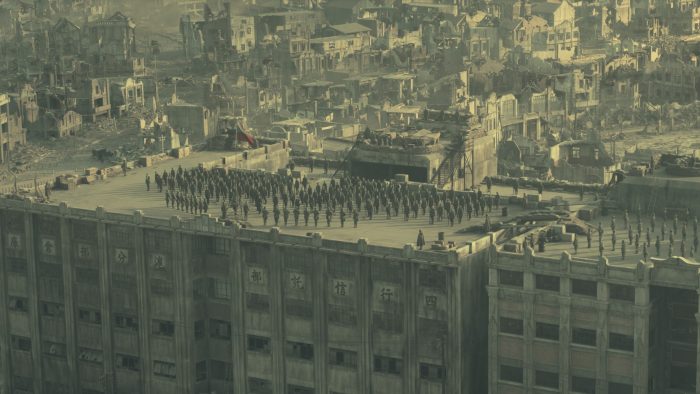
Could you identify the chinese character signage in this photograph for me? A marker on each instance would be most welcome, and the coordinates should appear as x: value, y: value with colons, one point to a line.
x: 48, y: 247
x: 14, y: 241
x: 158, y: 261
x: 121, y: 256
x: 84, y: 251
x: 341, y: 288
x: 257, y: 276
x: 386, y: 294
x: 297, y: 281
x: 430, y: 300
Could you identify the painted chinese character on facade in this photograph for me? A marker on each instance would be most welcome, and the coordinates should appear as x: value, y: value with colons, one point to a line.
x: 14, y: 241
x: 387, y: 294
x: 158, y: 262
x: 340, y: 288
x: 48, y: 247
x: 121, y: 256
x: 297, y: 281
x: 84, y: 251
x: 256, y: 276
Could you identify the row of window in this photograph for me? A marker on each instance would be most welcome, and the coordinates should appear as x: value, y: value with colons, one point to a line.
x: 579, y: 384
x: 579, y: 336
x: 582, y: 287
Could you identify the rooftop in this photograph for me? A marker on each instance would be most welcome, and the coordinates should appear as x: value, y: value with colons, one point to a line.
x: 125, y: 194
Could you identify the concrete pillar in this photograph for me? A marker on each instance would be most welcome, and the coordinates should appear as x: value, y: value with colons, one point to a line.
x: 184, y: 324
x: 457, y: 381
x: 642, y: 310
x: 69, y: 301
x: 697, y: 350
x: 409, y: 286
x: 493, y: 330
x: 276, y: 288
x: 320, y: 322
x: 528, y: 298
x: 33, y: 300
x: 105, y: 298
x: 142, y: 288
x: 5, y: 368
x: 364, y: 321
x: 238, y: 334
x: 602, y: 339
x: 564, y: 333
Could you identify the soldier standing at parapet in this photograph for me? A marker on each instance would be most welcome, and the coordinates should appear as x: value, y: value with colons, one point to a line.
x: 663, y: 231
x: 623, y: 249
x: 265, y: 215
x: 657, y: 244
x: 420, y: 242
x: 355, y: 217
x: 588, y: 237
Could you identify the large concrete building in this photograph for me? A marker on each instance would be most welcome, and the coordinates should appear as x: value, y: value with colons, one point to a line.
x: 592, y: 325
x: 101, y: 302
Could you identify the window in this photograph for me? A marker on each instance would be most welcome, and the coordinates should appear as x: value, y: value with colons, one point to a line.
x: 547, y: 282
x: 126, y: 322
x: 258, y: 344
x: 511, y: 374
x: 219, y: 329
x: 510, y: 278
x: 547, y: 331
x: 51, y: 309
x: 387, y: 365
x: 547, y: 379
x: 621, y: 292
x: 259, y: 386
x: 621, y: 342
x: 19, y: 304
x: 125, y: 361
x: 221, y: 246
x: 221, y: 289
x: 199, y: 329
x: 620, y: 388
x: 257, y: 302
x: 294, y: 389
x: 511, y: 326
x: 221, y: 370
x: 200, y: 371
x: 21, y: 343
x: 161, y: 287
x: 90, y: 355
x: 583, y: 385
x: 584, y: 287
x: 300, y: 350
x: 432, y: 372
x: 342, y: 358
x: 164, y: 369
x: 583, y: 336
x: 54, y: 349
x: 342, y: 315
x: 164, y: 328
x: 576, y: 152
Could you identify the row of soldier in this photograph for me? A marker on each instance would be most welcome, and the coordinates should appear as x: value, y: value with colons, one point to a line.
x: 644, y: 239
x: 193, y: 190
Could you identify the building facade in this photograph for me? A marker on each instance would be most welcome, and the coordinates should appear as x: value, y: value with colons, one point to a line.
x: 111, y: 303
x: 580, y: 325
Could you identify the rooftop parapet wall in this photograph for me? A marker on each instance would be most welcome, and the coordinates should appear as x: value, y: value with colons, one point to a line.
x: 206, y: 225
x: 675, y: 272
